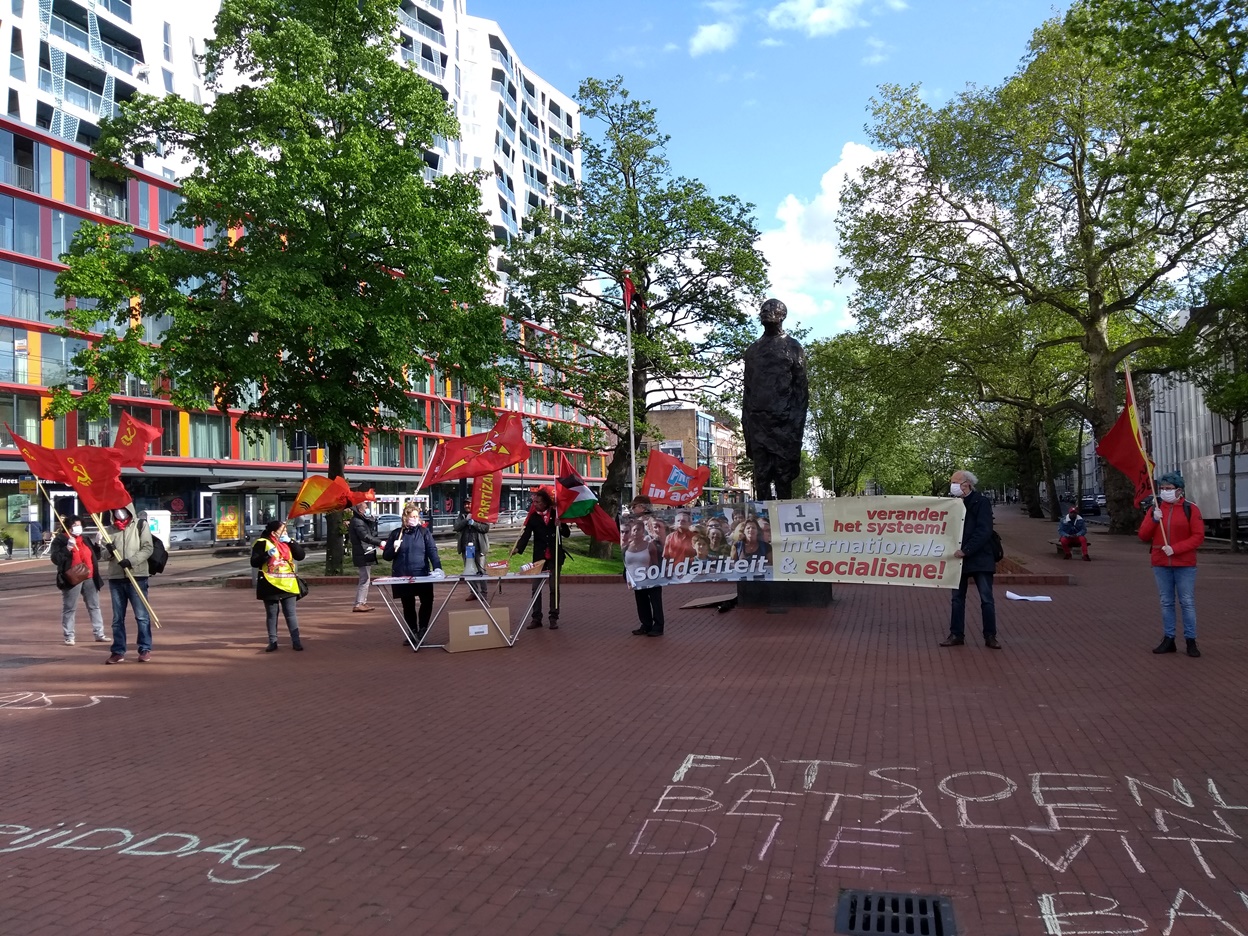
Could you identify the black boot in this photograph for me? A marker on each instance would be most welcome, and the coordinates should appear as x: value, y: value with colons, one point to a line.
x: 295, y: 642
x: 271, y: 647
x: 536, y: 622
x: 1166, y: 646
x: 1192, y: 649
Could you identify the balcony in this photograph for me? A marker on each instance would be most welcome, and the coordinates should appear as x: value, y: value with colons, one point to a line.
x: 507, y: 131
x: 435, y: 5
x: 433, y: 68
x: 119, y: 8
x: 559, y: 148
x: 108, y: 204
x: 416, y: 26
x: 77, y: 95
x: 507, y: 191
x: 77, y: 36
x: 535, y: 185
x: 21, y: 176
x: 500, y: 59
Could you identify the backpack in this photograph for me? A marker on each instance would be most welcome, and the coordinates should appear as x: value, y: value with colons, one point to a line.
x: 160, y: 555
x: 998, y: 549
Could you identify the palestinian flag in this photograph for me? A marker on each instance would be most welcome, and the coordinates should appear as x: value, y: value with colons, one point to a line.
x: 576, y: 502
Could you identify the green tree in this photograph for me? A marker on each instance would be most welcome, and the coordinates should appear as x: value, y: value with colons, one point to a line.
x: 1036, y: 192
x: 331, y: 267
x: 693, y: 260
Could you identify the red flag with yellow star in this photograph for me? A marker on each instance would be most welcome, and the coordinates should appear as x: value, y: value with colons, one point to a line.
x: 480, y: 454
x: 320, y: 494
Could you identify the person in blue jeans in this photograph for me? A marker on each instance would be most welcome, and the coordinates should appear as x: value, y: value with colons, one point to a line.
x: 1175, y: 529
x: 129, y: 546
x: 977, y: 563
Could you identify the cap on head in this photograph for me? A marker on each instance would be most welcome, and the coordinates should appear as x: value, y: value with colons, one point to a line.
x: 1172, y: 477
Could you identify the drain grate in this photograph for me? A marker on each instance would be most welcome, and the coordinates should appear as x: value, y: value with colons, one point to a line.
x: 15, y: 662
x: 862, y: 912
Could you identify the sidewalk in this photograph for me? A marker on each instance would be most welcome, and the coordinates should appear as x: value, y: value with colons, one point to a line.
x: 732, y: 776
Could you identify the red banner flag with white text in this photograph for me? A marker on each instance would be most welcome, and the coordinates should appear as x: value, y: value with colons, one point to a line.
x: 133, y: 438
x: 670, y: 481
x: 486, y: 493
x: 1123, y: 447
x: 480, y: 454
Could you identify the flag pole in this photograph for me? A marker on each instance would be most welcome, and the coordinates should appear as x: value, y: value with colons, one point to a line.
x: 1139, y: 440
x: 628, y: 343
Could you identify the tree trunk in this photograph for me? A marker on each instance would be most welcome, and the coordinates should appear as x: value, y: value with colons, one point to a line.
x: 333, y: 538
x: 1046, y: 465
x: 1079, y: 471
x: 613, y: 489
x: 1124, y: 518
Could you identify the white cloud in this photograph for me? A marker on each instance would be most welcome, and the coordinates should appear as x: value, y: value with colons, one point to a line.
x: 803, y: 253
x: 716, y: 37
x: 824, y: 17
x: 878, y: 51
x: 671, y: 47
x: 770, y: 43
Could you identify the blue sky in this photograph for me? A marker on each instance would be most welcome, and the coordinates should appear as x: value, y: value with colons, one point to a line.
x: 767, y: 99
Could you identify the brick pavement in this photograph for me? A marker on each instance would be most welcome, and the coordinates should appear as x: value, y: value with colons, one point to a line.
x: 731, y: 777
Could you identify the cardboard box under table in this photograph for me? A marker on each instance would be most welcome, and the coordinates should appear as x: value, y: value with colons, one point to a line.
x: 481, y: 628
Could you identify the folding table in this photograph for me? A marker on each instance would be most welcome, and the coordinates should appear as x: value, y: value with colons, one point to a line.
x: 482, y: 581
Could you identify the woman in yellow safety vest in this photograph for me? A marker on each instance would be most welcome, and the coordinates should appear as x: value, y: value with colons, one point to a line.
x: 277, y: 585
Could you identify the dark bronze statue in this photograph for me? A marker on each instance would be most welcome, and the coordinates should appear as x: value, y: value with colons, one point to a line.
x: 773, y: 413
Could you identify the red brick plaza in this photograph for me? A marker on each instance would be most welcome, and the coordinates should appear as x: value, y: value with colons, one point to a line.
x: 733, y: 776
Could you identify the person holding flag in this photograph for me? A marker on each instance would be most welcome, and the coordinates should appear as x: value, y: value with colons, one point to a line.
x: 1175, y: 529
x: 542, y: 526
x: 129, y: 544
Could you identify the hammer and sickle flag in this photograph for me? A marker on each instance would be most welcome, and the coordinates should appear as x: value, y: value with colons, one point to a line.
x: 133, y: 438
x: 320, y: 494
x: 42, y: 462
x: 481, y: 454
x: 95, y: 473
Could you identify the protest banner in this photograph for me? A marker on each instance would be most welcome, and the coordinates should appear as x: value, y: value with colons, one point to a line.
x: 869, y: 540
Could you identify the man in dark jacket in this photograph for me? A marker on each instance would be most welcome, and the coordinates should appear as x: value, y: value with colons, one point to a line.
x: 475, y: 532
x: 545, y: 530
x: 977, y: 562
x: 362, y: 533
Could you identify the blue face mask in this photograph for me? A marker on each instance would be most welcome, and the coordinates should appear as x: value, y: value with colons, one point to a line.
x: 284, y: 538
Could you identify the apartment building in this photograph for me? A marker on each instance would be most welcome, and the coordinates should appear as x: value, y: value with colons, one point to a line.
x: 71, y: 63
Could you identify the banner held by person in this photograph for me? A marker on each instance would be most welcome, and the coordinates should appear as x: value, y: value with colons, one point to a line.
x: 486, y: 494
x: 670, y: 481
x: 476, y: 455
x: 320, y: 494
x: 1123, y: 447
x: 133, y: 438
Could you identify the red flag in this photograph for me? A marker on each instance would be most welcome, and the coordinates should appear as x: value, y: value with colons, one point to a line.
x: 1123, y: 447
x: 320, y: 494
x: 133, y: 438
x: 670, y: 481
x: 576, y: 502
x: 480, y: 454
x: 95, y: 473
x: 42, y: 462
x: 628, y: 291
x: 486, y: 491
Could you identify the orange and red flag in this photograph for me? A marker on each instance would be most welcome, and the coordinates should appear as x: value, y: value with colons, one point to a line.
x: 133, y: 438
x: 480, y: 454
x: 320, y: 494
x: 1123, y: 447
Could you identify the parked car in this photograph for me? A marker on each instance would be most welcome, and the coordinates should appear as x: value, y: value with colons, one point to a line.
x: 1089, y: 507
x: 1100, y: 500
x: 387, y: 523
x: 191, y: 534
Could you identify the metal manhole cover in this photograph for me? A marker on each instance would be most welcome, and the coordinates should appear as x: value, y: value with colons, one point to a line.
x: 862, y: 912
x: 15, y: 662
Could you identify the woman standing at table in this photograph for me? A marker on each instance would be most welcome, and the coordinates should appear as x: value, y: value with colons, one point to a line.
x: 413, y: 552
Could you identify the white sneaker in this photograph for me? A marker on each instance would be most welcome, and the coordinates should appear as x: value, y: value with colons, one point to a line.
x: 100, y: 638
x: 69, y: 641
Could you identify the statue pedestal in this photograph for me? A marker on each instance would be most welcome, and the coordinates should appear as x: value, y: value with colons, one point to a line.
x: 778, y: 597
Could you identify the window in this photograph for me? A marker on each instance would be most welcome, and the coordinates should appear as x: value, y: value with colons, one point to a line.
x: 269, y: 446
x: 71, y: 178
x: 210, y: 435
x: 171, y: 432
x: 22, y: 413
x: 28, y: 293
x: 168, y: 45
x: 168, y: 76
x: 144, y: 219
x: 446, y: 418
x: 13, y: 356
x: 19, y: 226
x: 64, y: 226
x: 537, y: 461
x: 383, y: 450
x: 411, y: 451
x: 58, y: 361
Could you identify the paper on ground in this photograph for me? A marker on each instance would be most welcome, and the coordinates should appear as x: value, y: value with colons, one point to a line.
x: 1011, y: 595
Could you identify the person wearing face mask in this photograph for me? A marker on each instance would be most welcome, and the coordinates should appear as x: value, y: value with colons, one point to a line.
x: 277, y: 585
x: 413, y: 552
x: 129, y: 545
x: 70, y: 549
x: 1175, y: 529
x: 1073, y: 529
x: 977, y: 562
x: 362, y: 533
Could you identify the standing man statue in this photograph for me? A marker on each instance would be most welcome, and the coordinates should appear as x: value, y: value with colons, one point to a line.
x: 773, y: 412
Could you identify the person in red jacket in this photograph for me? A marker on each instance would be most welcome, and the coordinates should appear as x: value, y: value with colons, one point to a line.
x: 1175, y: 529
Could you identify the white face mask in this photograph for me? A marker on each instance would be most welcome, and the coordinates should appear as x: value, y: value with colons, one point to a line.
x: 76, y: 529
x: 413, y: 521
x: 121, y: 514
x: 1169, y: 496
x: 955, y: 489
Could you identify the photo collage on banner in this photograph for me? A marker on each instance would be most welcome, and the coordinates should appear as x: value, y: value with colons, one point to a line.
x: 686, y: 545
